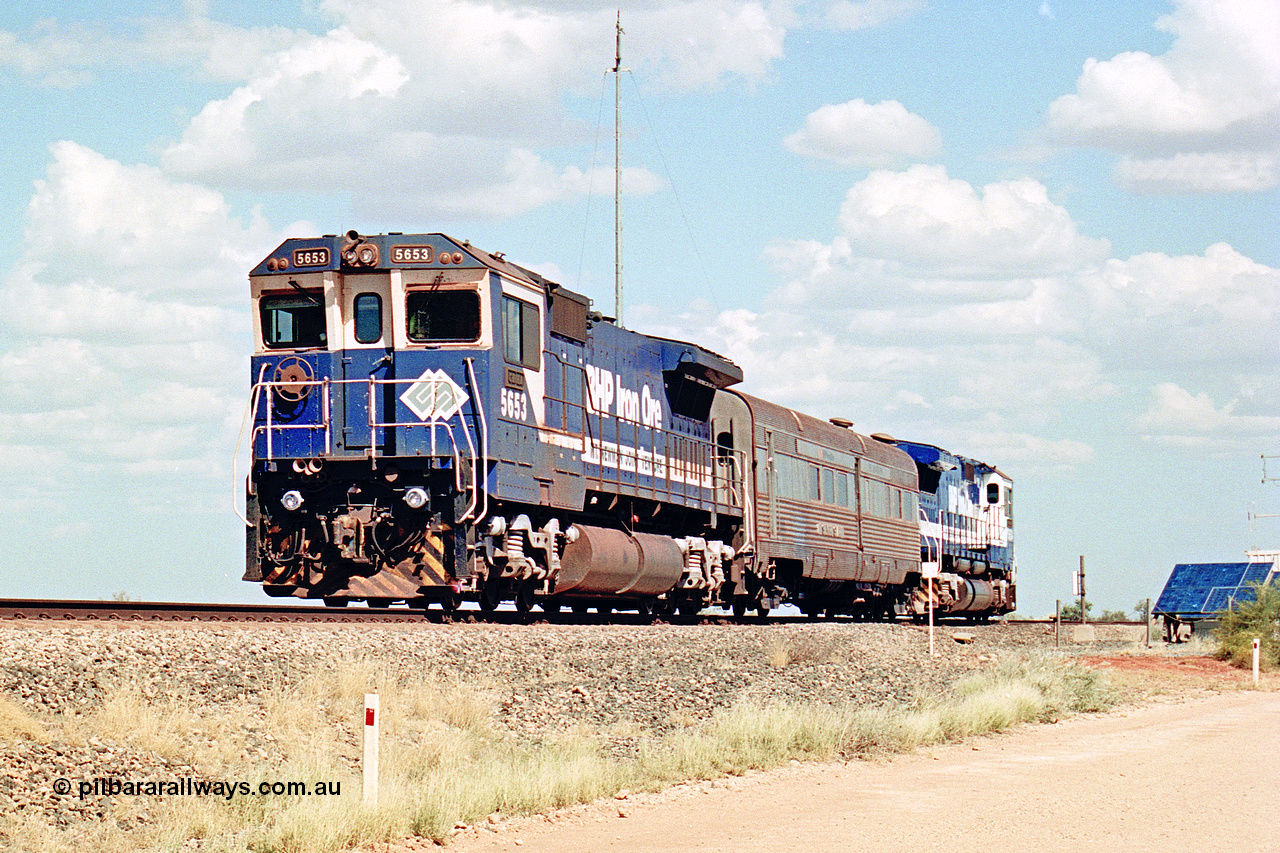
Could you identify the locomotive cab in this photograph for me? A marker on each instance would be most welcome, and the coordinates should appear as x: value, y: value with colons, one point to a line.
x: 372, y: 365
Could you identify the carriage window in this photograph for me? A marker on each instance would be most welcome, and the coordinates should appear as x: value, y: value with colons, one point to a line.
x: 993, y: 493
x: 815, y: 483
x: 368, y: 311
x: 521, y: 333
x: 442, y: 315
x: 875, y: 499
x: 293, y: 320
x: 842, y: 489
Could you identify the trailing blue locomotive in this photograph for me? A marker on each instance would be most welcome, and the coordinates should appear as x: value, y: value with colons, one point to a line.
x: 966, y: 534
x: 432, y: 423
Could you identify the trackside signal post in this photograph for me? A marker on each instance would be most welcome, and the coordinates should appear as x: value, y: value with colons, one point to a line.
x: 1078, y: 591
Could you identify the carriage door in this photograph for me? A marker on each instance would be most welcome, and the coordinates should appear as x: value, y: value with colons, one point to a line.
x: 366, y: 396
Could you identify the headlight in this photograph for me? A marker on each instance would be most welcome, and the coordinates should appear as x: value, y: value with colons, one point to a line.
x: 416, y: 498
x: 291, y: 500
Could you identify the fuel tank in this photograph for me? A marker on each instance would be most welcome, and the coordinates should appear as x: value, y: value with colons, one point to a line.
x: 602, y: 561
x: 973, y: 596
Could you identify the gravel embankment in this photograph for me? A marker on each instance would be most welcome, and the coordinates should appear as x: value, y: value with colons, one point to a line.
x: 538, y: 679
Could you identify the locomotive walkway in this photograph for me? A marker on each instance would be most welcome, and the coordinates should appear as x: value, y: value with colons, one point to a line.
x: 1195, y: 775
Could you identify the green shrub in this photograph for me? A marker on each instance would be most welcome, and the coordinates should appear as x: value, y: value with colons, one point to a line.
x: 1244, y: 621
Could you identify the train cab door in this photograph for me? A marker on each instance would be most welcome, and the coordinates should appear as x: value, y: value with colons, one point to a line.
x: 731, y: 438
x: 364, y: 399
x: 525, y: 470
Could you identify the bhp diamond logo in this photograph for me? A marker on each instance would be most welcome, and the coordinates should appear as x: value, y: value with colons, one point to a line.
x: 434, y: 396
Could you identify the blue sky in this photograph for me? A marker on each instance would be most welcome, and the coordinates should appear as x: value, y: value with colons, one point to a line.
x: 1043, y: 234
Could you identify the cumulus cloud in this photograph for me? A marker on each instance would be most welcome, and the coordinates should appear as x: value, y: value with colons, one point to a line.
x: 856, y: 133
x: 924, y: 219
x: 91, y: 214
x: 407, y: 107
x: 123, y: 329
x: 1203, y: 117
x: 1043, y: 344
x: 1174, y: 411
x: 434, y: 105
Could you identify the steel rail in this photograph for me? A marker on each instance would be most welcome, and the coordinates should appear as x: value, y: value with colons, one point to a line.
x: 170, y: 612
x: 56, y: 610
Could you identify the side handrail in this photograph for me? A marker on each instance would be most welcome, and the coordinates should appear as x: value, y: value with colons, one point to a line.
x: 250, y: 408
x: 480, y: 463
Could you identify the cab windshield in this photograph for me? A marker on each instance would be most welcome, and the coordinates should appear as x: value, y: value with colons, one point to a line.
x: 442, y: 315
x: 293, y: 320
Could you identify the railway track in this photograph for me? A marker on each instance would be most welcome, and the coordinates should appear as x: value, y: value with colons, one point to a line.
x: 60, y: 610
x: 167, y: 612
x: 55, y: 610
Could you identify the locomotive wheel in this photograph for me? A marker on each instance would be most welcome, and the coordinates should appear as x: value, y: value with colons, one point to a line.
x: 335, y: 601
x: 739, y: 606
x: 524, y: 596
x: 450, y: 601
x: 378, y: 603
x: 491, y: 595
x: 550, y: 607
x: 762, y: 610
x: 689, y: 608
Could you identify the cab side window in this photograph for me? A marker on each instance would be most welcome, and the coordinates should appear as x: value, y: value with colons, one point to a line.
x: 368, y: 318
x: 521, y: 333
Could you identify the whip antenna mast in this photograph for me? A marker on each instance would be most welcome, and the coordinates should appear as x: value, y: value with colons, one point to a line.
x: 617, y: 172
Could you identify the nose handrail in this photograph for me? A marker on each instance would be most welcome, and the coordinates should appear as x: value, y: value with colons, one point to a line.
x: 378, y: 422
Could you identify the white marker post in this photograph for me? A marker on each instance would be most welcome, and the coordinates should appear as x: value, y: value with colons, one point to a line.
x: 1256, y: 646
x: 370, y: 766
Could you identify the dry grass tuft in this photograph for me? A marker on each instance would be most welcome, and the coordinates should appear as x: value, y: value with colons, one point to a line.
x: 16, y: 724
x: 757, y: 737
x: 784, y: 648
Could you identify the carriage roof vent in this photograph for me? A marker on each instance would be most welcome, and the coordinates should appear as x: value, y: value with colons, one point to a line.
x: 842, y: 422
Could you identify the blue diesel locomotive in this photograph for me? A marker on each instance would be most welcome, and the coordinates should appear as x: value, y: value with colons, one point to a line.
x: 432, y: 423
x: 966, y: 534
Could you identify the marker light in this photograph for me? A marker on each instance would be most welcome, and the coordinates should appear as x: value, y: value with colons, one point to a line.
x: 291, y: 500
x: 416, y: 498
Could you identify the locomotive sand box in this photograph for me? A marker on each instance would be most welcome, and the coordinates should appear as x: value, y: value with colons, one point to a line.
x: 432, y: 423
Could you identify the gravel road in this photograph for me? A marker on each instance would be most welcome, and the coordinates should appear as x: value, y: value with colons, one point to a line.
x: 1197, y: 775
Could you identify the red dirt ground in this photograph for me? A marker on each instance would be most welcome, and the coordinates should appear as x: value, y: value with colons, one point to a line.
x: 1211, y: 671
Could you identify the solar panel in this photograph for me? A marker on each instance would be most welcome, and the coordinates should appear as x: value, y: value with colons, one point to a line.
x: 1219, y: 599
x: 1257, y: 573
x: 1203, y: 589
